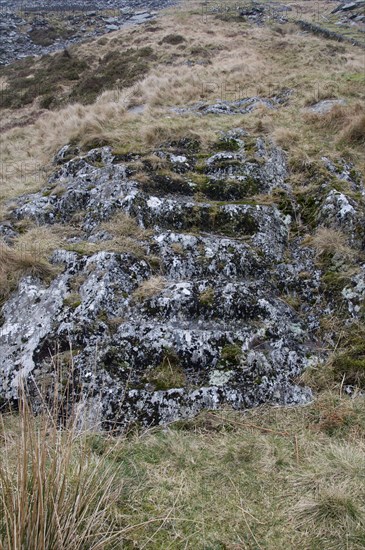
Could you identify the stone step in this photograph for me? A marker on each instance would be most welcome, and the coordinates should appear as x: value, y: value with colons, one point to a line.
x: 148, y: 408
x: 188, y: 256
x: 263, y: 225
x: 227, y: 219
x: 233, y: 301
x: 194, y: 322
x: 200, y: 347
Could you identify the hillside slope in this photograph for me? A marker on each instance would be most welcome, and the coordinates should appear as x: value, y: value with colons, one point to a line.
x: 182, y: 225
x: 206, y: 253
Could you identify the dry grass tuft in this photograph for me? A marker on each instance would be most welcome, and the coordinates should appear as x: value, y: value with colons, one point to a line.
x: 327, y: 90
x: 55, y: 493
x: 149, y: 288
x: 346, y: 363
x: 285, y: 137
x: 156, y: 162
x: 20, y: 261
x: 354, y: 131
x: 327, y: 241
x: 123, y: 225
x: 157, y: 134
x: 127, y: 235
x: 331, y: 511
x: 347, y: 121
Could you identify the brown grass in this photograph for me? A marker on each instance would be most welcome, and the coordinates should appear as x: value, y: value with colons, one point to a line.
x: 353, y: 131
x: 285, y: 137
x: 31, y: 250
x: 327, y: 241
x: 54, y: 493
x: 253, y: 61
x: 18, y: 262
x: 348, y: 120
x: 149, y: 288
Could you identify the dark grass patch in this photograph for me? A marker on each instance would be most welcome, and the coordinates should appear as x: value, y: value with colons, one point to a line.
x: 45, y: 79
x: 29, y: 79
x: 45, y: 36
x: 349, y: 364
x: 173, y: 39
x: 122, y: 68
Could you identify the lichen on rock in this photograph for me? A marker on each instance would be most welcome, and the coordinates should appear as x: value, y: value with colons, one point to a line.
x: 221, y: 330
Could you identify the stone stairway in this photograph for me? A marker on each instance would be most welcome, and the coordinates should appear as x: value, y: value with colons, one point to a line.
x: 211, y: 330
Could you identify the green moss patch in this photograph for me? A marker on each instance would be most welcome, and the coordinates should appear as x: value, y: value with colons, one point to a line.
x: 334, y: 282
x: 206, y: 298
x: 231, y: 354
x: 227, y: 144
x: 73, y: 300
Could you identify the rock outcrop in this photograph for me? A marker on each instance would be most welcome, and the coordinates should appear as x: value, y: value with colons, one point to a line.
x: 28, y: 28
x: 203, y: 317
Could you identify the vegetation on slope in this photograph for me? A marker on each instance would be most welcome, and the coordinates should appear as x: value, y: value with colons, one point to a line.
x: 263, y: 479
x: 267, y: 479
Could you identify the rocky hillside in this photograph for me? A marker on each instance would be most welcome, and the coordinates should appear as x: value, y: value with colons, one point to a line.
x: 38, y: 28
x: 217, y: 305
x: 209, y: 266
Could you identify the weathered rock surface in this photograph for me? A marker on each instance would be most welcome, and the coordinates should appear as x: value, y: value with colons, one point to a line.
x: 239, y: 106
x: 326, y: 105
x: 218, y: 327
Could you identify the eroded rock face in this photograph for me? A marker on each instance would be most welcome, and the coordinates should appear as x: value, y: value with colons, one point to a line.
x: 200, y: 321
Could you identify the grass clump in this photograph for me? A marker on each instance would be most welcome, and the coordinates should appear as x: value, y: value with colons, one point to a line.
x: 346, y: 365
x: 231, y: 354
x: 149, y: 288
x: 327, y: 240
x: 347, y: 121
x: 334, y: 282
x: 73, y: 300
x: 54, y: 492
x: 354, y: 131
x: 173, y: 39
x: 329, y: 506
x: 19, y: 261
x: 349, y: 363
x: 206, y: 298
